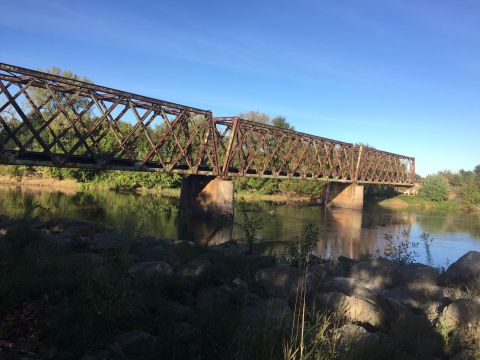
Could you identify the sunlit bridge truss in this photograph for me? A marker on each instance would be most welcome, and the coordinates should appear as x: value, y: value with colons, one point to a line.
x: 50, y: 120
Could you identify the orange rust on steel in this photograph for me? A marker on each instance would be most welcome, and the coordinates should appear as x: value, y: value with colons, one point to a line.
x: 184, y: 143
x: 78, y: 83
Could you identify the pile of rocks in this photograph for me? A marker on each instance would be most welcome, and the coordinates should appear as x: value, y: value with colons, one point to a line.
x: 379, y: 298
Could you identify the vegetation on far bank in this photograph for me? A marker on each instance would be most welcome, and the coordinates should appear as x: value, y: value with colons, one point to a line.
x: 445, y: 191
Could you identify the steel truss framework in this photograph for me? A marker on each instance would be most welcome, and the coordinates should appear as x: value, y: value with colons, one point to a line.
x: 55, y: 121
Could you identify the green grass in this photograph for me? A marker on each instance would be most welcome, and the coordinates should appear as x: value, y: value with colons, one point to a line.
x: 416, y: 202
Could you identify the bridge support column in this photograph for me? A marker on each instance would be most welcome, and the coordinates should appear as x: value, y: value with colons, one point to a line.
x: 348, y: 196
x: 206, y: 196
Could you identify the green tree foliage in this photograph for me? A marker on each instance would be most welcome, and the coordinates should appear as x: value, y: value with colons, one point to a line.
x: 256, y: 116
x: 282, y: 123
x: 434, y: 188
x: 466, y: 185
x: 280, y: 186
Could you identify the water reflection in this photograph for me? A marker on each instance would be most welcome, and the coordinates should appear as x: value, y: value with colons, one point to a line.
x: 341, y: 232
x: 205, y: 231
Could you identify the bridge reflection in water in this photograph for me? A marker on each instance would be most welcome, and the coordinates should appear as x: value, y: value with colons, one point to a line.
x: 353, y: 234
x: 350, y: 233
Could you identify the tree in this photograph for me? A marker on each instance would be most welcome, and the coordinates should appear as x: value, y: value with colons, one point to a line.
x: 477, y: 171
x: 434, y: 188
x: 282, y: 123
x: 256, y: 116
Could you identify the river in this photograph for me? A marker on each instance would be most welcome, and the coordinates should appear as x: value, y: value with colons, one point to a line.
x: 340, y: 232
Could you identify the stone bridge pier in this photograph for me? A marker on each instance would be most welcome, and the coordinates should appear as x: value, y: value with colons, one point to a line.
x: 344, y: 195
x: 213, y: 197
x: 206, y: 196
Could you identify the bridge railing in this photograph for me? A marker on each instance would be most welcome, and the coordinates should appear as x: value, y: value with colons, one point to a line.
x: 57, y: 121
x: 255, y: 149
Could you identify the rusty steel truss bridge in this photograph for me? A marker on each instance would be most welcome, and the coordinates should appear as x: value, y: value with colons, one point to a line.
x: 49, y: 120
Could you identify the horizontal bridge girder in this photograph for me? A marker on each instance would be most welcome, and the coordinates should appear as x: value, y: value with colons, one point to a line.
x: 49, y: 120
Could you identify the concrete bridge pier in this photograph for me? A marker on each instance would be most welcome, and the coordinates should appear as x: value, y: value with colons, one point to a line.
x: 343, y: 195
x: 206, y: 196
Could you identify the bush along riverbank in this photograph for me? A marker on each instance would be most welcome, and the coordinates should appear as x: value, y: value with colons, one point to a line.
x: 73, y: 289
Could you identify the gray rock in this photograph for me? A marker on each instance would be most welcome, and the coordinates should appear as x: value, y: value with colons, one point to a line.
x: 350, y: 287
x: 376, y: 274
x: 213, y: 298
x: 137, y: 343
x: 399, y: 295
x: 197, y: 269
x: 88, y: 258
x: 465, y: 271
x: 229, y: 248
x: 155, y: 240
x: 287, y: 282
x: 418, y: 274
x: 346, y: 263
x: 180, y: 311
x: 464, y: 355
x: 256, y: 262
x: 432, y: 310
x: 425, y: 292
x: 353, y: 338
x: 242, y: 284
x: 272, y: 313
x: 463, y: 314
x: 82, y: 227
x: 149, y: 269
x: 160, y: 253
x: 184, y: 331
x: 355, y: 309
x: 279, y: 281
x: 106, y: 240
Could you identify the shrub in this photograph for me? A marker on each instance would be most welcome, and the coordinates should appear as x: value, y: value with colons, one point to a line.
x: 56, y: 173
x: 403, y: 249
x: 471, y: 195
x: 251, y: 222
x: 298, y: 253
x: 434, y: 188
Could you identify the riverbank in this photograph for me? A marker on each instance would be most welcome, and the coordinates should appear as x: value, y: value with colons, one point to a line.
x: 85, y: 291
x: 418, y: 203
x: 38, y: 178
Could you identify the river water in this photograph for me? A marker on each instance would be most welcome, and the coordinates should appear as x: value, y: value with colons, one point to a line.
x: 340, y: 232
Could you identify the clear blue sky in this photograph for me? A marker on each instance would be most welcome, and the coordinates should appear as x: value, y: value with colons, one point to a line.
x: 403, y: 76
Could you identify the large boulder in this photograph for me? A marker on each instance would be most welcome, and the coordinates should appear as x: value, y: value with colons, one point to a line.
x: 198, y: 270
x: 136, y: 343
x: 106, y: 241
x: 214, y: 299
x: 229, y: 248
x: 354, y: 308
x: 256, y: 262
x: 465, y: 271
x: 350, y: 287
x: 463, y: 314
x: 81, y: 227
x: 288, y: 282
x: 465, y: 355
x: 160, y: 253
x: 148, y: 269
x: 354, y: 338
x: 376, y: 274
x: 398, y: 295
x: 417, y: 274
x: 425, y: 292
x: 272, y: 313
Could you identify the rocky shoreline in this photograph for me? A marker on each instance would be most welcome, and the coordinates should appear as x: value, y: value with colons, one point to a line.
x: 375, y: 306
